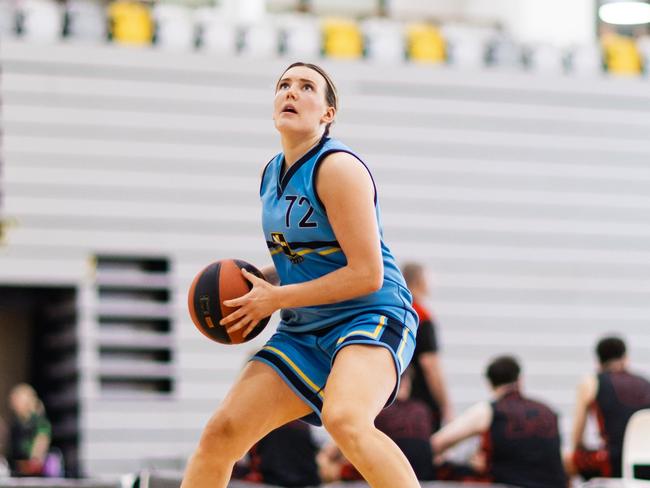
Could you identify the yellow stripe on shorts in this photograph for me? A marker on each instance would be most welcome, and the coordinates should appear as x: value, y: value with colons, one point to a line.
x: 402, y: 345
x: 374, y: 334
x: 295, y: 367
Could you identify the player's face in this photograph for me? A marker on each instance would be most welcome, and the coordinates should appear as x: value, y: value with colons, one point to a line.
x: 20, y: 403
x: 300, y: 105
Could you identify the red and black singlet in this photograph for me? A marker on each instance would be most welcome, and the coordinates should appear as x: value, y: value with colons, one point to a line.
x: 620, y: 394
x: 523, y: 444
x: 408, y: 424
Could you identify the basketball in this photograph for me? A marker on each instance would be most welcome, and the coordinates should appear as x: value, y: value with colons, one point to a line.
x: 219, y: 281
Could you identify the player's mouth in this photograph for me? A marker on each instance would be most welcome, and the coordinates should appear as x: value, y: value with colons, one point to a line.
x: 289, y: 109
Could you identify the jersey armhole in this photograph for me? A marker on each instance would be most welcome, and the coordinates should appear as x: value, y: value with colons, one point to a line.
x: 320, y: 160
x: 264, y: 173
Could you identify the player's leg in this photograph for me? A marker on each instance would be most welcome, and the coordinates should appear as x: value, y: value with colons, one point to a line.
x: 258, y: 402
x: 360, y: 383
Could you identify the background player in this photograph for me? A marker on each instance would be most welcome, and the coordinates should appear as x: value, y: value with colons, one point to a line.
x: 521, y: 441
x: 428, y: 382
x: 612, y: 395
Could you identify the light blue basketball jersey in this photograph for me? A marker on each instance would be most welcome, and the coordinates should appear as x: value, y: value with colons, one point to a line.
x: 303, y: 245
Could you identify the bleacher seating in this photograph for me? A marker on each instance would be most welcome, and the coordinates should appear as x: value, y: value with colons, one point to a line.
x: 425, y: 43
x: 243, y: 12
x: 504, y: 52
x: 622, y: 57
x: 301, y: 37
x: 85, y: 21
x: 545, y: 59
x: 342, y: 39
x: 384, y: 40
x: 174, y: 27
x: 130, y: 22
x: 261, y: 40
x: 586, y: 60
x: 40, y: 20
x: 244, y: 28
x: 643, y: 44
x: 216, y: 34
x: 466, y: 45
x: 7, y: 19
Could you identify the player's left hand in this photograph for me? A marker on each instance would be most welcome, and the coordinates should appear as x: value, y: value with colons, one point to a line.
x: 257, y: 304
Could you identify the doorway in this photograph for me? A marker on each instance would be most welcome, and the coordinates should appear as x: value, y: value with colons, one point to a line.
x: 38, y: 345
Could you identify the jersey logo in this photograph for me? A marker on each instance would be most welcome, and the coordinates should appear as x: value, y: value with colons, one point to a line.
x: 278, y: 238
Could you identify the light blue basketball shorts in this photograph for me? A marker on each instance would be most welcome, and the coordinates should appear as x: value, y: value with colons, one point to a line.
x: 304, y: 360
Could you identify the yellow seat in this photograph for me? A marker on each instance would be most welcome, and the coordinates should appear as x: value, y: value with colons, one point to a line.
x: 622, y: 56
x: 131, y: 22
x: 342, y: 39
x: 425, y: 43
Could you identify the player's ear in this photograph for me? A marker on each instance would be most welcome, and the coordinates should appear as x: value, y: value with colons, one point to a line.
x: 328, y: 116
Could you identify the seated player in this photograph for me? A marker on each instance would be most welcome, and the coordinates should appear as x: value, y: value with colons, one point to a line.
x: 520, y: 437
x: 30, y: 432
x: 612, y: 396
x: 284, y: 457
x: 407, y: 422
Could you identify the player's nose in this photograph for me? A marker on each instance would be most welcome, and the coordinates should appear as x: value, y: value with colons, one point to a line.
x: 291, y: 93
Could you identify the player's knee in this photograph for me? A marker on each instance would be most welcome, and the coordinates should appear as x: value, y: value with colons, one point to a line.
x: 222, y: 438
x: 344, y: 424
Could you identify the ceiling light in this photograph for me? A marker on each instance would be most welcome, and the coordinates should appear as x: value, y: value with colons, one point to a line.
x: 625, y: 13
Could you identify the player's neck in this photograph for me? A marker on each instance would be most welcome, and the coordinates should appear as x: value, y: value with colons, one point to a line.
x: 503, y: 390
x: 295, y: 146
x: 614, y: 366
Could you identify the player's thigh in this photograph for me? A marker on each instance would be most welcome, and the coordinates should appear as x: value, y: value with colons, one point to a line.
x: 257, y: 403
x: 361, y: 381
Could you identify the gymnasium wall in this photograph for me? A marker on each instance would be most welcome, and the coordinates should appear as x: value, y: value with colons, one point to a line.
x: 527, y: 197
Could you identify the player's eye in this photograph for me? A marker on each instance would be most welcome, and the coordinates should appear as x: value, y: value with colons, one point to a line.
x: 308, y: 87
x: 283, y: 85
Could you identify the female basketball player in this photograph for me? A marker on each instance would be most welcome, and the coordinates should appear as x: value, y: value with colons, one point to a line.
x: 347, y: 328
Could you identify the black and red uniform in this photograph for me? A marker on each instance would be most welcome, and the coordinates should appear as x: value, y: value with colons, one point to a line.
x: 284, y: 457
x: 425, y: 341
x: 521, y: 447
x: 620, y: 394
x: 523, y: 444
x: 408, y: 424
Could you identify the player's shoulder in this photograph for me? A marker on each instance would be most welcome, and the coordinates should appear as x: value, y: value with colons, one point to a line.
x: 588, y: 387
x: 338, y: 159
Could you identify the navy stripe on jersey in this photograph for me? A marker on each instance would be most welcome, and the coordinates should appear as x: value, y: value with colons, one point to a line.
x: 284, y: 178
x: 295, y: 380
x: 264, y: 173
x: 310, y: 245
x: 322, y: 157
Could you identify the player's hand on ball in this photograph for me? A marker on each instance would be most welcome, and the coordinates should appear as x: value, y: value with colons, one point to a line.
x: 257, y: 304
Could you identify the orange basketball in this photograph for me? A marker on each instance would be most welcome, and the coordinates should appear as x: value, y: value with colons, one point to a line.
x: 219, y: 281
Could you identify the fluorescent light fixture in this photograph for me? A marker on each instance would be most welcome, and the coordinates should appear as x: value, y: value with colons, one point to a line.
x: 625, y: 13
